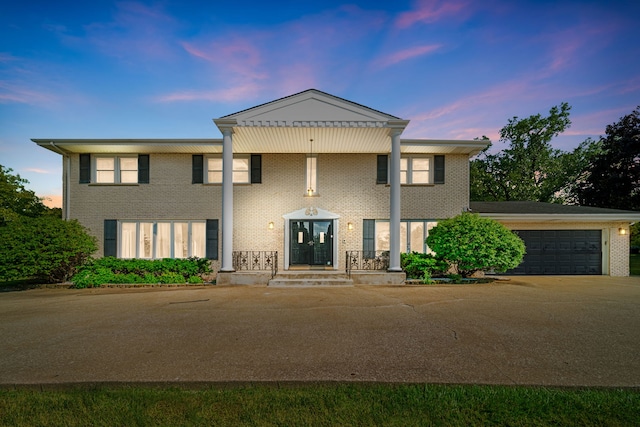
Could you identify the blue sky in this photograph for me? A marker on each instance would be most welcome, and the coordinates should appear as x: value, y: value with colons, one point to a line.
x: 457, y: 69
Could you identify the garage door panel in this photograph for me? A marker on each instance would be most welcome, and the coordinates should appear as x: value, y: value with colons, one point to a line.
x: 561, y: 252
x: 564, y: 269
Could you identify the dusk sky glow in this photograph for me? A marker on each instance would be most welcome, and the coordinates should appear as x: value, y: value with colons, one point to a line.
x: 457, y: 69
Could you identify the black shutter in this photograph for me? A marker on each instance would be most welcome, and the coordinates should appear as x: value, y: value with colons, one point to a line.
x: 85, y: 168
x: 110, y: 237
x: 197, y: 169
x: 438, y: 167
x: 383, y: 166
x: 212, y: 239
x: 369, y: 238
x: 143, y: 169
x: 256, y: 169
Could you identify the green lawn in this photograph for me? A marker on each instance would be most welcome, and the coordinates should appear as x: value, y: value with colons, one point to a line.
x: 327, y: 405
x: 634, y: 264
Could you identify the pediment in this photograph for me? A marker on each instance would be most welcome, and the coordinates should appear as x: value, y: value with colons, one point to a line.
x: 307, y: 107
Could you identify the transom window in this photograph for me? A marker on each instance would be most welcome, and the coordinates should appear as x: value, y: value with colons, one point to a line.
x: 413, y: 235
x: 116, y: 169
x: 241, y: 170
x: 162, y: 239
x: 416, y: 170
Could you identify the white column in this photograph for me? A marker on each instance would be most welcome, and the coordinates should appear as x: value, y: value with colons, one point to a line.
x: 227, y: 200
x: 394, y: 205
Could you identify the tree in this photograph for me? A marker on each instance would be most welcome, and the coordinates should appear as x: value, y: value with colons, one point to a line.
x: 45, y: 247
x: 15, y: 199
x: 34, y: 241
x: 529, y: 168
x: 613, y: 177
x: 471, y: 243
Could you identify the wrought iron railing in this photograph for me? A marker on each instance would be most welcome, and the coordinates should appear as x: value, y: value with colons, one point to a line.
x: 366, y: 260
x: 256, y: 261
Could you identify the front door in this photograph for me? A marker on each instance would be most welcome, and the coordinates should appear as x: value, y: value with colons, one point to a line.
x: 311, y: 243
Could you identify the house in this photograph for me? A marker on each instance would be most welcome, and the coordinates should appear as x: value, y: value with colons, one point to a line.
x: 309, y: 181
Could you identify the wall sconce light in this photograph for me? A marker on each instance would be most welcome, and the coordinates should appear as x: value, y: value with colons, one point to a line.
x: 349, y: 226
x: 622, y: 231
x: 271, y: 225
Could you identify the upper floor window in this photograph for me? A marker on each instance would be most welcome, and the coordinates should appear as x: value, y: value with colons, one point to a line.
x: 241, y: 170
x: 416, y: 170
x: 114, y: 169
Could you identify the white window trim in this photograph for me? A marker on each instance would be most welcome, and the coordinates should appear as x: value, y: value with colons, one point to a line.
x: 410, y: 159
x: 219, y: 156
x: 154, y: 243
x: 116, y: 168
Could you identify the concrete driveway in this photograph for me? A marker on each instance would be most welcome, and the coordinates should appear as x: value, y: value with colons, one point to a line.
x: 560, y: 331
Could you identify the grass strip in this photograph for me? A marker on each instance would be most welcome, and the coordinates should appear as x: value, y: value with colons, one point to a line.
x: 326, y: 405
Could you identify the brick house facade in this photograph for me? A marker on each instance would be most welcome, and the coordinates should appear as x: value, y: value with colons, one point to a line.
x: 309, y: 176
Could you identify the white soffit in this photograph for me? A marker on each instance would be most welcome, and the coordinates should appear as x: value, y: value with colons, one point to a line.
x: 125, y: 146
x: 297, y: 140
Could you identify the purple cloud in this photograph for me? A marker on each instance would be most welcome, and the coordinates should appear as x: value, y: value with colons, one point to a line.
x: 405, y: 54
x: 429, y: 11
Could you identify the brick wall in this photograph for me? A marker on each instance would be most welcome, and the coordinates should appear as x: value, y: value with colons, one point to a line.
x: 346, y: 186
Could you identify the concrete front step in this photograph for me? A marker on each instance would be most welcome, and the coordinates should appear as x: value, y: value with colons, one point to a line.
x: 310, y: 278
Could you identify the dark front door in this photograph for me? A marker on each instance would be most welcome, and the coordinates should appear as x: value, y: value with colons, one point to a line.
x: 312, y: 242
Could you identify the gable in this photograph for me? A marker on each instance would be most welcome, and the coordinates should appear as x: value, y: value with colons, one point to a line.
x: 307, y: 107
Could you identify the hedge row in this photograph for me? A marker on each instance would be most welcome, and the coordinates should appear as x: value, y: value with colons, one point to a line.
x: 113, y: 270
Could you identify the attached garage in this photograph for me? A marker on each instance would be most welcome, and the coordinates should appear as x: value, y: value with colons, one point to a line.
x: 566, y: 240
x: 561, y: 252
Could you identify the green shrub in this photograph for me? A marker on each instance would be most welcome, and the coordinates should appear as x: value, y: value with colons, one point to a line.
x: 44, y: 247
x: 471, y: 243
x: 149, y: 278
x: 416, y: 264
x: 93, y: 278
x: 455, y: 278
x: 171, y: 278
x: 195, y: 279
x: 426, y: 278
x: 114, y: 270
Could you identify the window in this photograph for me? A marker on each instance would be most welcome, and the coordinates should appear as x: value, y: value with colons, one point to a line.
x: 241, y: 170
x: 116, y: 169
x: 162, y: 239
x: 311, y: 175
x: 413, y: 235
x: 416, y: 170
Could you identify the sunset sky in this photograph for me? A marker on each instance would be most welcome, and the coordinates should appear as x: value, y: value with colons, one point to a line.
x: 163, y: 69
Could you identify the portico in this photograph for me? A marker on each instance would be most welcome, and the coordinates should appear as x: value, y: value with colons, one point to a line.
x: 287, y: 126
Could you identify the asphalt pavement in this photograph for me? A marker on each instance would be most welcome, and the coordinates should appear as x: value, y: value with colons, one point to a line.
x: 551, y: 331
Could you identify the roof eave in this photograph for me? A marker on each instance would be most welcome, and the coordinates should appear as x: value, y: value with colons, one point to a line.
x: 588, y: 217
x: 65, y: 146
